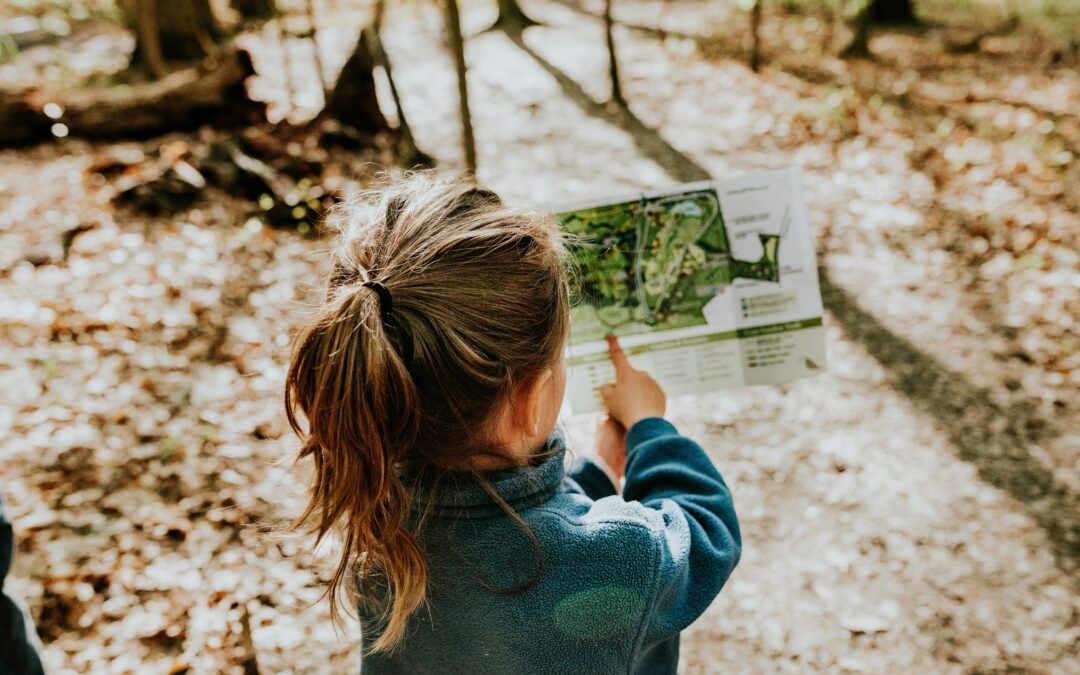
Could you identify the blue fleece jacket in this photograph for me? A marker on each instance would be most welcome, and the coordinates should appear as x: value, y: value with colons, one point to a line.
x: 619, y: 576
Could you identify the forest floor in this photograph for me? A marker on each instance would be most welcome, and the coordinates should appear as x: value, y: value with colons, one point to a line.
x: 914, y: 509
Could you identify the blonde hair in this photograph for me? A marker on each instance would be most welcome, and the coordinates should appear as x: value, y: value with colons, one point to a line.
x: 440, y: 301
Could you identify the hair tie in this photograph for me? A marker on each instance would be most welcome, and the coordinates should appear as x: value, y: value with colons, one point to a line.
x: 386, y: 302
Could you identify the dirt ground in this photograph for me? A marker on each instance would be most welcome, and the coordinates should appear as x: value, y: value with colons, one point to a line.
x: 914, y: 509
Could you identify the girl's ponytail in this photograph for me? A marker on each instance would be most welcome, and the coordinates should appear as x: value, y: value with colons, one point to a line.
x: 361, y: 408
x: 440, y: 301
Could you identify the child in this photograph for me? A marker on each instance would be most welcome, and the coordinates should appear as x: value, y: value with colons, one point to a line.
x: 431, y: 381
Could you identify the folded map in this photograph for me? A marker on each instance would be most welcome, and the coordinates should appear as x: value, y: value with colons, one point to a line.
x: 708, y: 286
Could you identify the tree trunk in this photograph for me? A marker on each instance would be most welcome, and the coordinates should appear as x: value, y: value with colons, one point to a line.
x: 457, y: 49
x: 353, y: 101
x: 255, y: 10
x: 860, y: 43
x: 411, y: 154
x: 512, y: 18
x: 892, y: 12
x: 755, y: 31
x: 174, y: 30
x: 205, y: 94
x: 148, y: 44
x: 616, y: 87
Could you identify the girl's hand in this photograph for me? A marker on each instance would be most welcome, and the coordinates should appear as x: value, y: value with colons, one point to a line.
x: 611, y: 446
x: 635, y: 395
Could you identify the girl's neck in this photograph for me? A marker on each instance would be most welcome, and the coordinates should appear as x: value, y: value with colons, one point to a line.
x: 495, y: 462
x: 508, y: 458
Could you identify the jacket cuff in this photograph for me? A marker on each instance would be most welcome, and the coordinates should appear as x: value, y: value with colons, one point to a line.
x: 602, y: 464
x: 593, y: 479
x: 648, y: 429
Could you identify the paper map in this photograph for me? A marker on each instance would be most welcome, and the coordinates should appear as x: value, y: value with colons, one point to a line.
x: 708, y: 285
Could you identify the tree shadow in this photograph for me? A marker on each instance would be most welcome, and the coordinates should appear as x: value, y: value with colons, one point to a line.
x: 648, y: 141
x: 990, y: 436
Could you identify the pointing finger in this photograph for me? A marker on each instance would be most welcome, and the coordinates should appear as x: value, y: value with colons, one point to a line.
x: 618, y: 356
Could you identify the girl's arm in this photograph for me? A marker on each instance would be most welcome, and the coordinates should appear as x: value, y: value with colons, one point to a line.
x: 592, y: 479
x: 599, y: 475
x: 697, y: 541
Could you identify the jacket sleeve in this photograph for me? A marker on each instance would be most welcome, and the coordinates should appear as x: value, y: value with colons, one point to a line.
x: 593, y: 481
x: 18, y: 652
x: 697, y: 535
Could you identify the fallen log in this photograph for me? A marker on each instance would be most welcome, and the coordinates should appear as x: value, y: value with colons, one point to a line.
x: 211, y: 92
x: 21, y: 121
x: 287, y: 170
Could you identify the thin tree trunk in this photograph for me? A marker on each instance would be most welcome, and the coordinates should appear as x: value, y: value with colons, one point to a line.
x: 149, y: 46
x: 457, y: 49
x: 186, y: 23
x: 860, y: 43
x: 184, y: 30
x: 755, y: 31
x: 616, y: 87
x: 412, y: 154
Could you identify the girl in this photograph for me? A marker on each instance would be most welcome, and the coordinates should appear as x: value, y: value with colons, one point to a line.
x: 430, y: 382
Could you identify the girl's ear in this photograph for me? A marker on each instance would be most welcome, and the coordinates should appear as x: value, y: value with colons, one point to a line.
x: 533, y: 402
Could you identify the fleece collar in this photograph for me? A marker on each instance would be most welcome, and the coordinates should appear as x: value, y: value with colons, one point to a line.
x: 462, y: 495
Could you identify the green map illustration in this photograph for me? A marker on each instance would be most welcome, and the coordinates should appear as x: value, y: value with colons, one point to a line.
x: 653, y: 264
